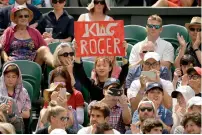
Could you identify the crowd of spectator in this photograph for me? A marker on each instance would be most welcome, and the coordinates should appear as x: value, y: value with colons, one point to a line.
x: 142, y: 95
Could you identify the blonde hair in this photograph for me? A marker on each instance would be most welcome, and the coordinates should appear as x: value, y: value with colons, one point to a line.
x: 54, y: 110
x: 56, y: 61
x: 156, y: 18
x: 7, y: 128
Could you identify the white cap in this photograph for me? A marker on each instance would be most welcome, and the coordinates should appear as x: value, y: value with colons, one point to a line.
x: 152, y: 55
x: 186, y: 91
x: 194, y: 101
x: 58, y: 131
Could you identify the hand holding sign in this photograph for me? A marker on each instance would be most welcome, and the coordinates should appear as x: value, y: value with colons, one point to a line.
x: 101, y: 38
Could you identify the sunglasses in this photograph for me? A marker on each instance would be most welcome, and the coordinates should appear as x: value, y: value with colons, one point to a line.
x: 101, y: 2
x: 56, y: 1
x: 66, y: 54
x: 143, y: 109
x: 57, y: 83
x: 146, y: 51
x: 194, y: 77
x: 154, y: 26
x: 23, y: 16
x: 64, y: 118
x: 193, y: 29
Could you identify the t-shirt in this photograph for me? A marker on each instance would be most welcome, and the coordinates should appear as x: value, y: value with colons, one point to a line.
x: 76, y: 99
x: 45, y: 131
x: 33, y: 2
x: 88, y: 130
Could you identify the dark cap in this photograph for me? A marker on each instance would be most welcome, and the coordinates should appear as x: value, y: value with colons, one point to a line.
x: 111, y: 81
x: 154, y: 85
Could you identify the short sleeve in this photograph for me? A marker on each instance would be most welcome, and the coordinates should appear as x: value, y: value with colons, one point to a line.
x: 168, y: 54
x: 41, y: 41
x: 79, y: 99
x: 134, y: 55
x: 134, y: 89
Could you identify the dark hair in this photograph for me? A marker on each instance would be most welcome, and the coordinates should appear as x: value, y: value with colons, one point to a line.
x: 193, y: 116
x: 61, y: 71
x: 151, y: 123
x: 12, y: 68
x: 187, y: 59
x: 102, y: 107
x: 102, y: 127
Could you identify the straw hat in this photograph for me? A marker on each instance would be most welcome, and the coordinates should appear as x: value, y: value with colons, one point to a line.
x: 194, y: 21
x: 91, y: 5
x: 18, y: 8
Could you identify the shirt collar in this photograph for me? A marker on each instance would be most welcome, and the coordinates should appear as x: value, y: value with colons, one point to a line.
x: 64, y: 13
x: 16, y: 4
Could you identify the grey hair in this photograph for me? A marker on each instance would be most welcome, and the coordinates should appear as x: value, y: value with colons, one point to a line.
x: 56, y: 61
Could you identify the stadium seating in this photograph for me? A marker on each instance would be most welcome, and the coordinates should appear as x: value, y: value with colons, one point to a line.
x: 88, y: 67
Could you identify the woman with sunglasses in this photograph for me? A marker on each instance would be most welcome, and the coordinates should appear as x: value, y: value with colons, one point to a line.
x: 57, y: 118
x: 194, y: 46
x: 60, y: 21
x: 21, y: 42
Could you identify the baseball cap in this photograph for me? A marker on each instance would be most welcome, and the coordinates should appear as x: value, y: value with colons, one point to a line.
x: 154, y: 85
x: 196, y: 69
x: 111, y: 81
x: 58, y: 131
x: 185, y: 90
x: 194, y: 101
x: 152, y: 55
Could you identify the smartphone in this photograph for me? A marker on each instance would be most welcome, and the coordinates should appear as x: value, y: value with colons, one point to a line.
x: 63, y: 92
x: 149, y: 74
x: 116, y: 92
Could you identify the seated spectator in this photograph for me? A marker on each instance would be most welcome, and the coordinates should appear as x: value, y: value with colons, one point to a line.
x: 64, y: 56
x: 183, y: 94
x: 147, y: 65
x: 137, y: 88
x: 192, y: 123
x: 194, y: 80
x: 175, y: 3
x: 23, y: 42
x: 103, y: 69
x: 60, y: 78
x: 60, y: 21
x: 33, y: 2
x: 5, y: 14
x: 6, y: 128
x: 103, y: 128
x: 155, y: 93
x: 152, y: 126
x: 99, y: 113
x: 194, y: 104
x: 163, y: 48
x: 3, y: 3
x: 118, y: 103
x: 11, y: 86
x: 146, y: 109
x: 186, y: 62
x: 57, y: 117
x: 194, y: 47
x: 115, y: 71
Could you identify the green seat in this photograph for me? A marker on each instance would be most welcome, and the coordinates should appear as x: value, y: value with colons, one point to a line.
x: 131, y: 41
x: 86, y: 118
x: 31, y: 70
x: 170, y: 32
x: 53, y: 46
x: 129, y: 50
x: 88, y: 67
x: 135, y: 32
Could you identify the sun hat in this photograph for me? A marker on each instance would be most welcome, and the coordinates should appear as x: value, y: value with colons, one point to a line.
x: 18, y: 8
x: 152, y: 55
x: 194, y: 21
x: 194, y: 101
x: 91, y: 5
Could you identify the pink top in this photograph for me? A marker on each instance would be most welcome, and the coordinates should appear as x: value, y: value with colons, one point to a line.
x: 35, y: 35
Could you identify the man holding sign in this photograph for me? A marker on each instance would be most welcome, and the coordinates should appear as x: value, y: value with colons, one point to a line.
x: 99, y: 38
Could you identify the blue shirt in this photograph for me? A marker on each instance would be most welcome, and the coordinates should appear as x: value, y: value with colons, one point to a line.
x: 165, y: 115
x: 135, y: 72
x: 34, y: 2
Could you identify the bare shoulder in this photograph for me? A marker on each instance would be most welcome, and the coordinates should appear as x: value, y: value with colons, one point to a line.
x: 82, y: 17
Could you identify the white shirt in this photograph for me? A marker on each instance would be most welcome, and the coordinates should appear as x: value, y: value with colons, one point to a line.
x: 163, y: 48
x: 88, y: 130
x: 135, y: 87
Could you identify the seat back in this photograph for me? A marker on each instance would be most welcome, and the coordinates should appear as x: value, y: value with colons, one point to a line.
x: 29, y: 89
x: 135, y: 32
x: 88, y: 67
x: 53, y: 46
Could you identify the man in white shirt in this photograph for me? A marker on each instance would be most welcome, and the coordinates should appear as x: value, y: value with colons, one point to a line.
x: 137, y: 88
x: 162, y: 47
x: 99, y: 113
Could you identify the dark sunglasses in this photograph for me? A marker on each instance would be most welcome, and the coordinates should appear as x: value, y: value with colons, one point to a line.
x: 56, y: 1
x: 25, y: 16
x: 143, y: 109
x: 66, y: 54
x: 193, y: 29
x: 101, y: 2
x: 64, y: 118
x: 146, y: 51
x: 154, y: 26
